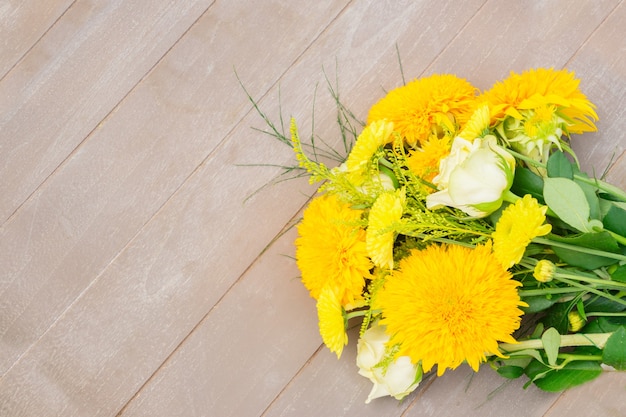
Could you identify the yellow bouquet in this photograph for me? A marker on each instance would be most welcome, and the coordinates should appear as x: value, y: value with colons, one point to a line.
x: 460, y: 229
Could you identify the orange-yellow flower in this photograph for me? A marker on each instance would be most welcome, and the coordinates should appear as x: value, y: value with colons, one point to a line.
x: 450, y: 304
x: 331, y: 249
x: 425, y: 106
x: 539, y: 89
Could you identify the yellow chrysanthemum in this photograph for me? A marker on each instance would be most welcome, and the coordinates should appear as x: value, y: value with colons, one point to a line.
x: 332, y: 324
x: 478, y: 124
x: 423, y: 106
x: 519, y: 224
x: 385, y: 212
x: 373, y: 136
x: 537, y: 88
x: 449, y: 304
x: 424, y: 161
x: 331, y: 250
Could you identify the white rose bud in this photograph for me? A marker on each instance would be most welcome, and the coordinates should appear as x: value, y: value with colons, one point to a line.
x: 474, y: 178
x: 398, y: 378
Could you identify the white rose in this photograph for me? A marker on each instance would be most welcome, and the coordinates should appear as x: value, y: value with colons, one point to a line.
x: 398, y: 379
x: 474, y: 177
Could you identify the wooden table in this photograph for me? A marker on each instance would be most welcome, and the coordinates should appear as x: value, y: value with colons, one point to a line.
x: 135, y: 280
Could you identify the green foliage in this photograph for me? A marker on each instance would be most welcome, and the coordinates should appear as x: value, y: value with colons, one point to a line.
x: 527, y: 182
x: 556, y: 380
x: 559, y: 166
x: 601, y: 242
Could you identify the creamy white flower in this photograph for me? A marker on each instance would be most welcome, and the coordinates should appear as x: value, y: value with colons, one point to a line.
x: 398, y: 378
x: 474, y: 177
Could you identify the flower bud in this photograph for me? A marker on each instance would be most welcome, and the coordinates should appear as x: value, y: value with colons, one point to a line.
x: 544, y: 271
x: 576, y: 321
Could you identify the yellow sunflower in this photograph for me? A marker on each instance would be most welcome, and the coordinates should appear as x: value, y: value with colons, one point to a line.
x: 331, y: 250
x: 519, y: 224
x: 424, y: 161
x: 385, y: 212
x: 449, y: 304
x: 331, y: 321
x: 541, y: 88
x: 425, y: 106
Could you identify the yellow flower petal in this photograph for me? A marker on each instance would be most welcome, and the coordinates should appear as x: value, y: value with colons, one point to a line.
x: 450, y: 304
x: 385, y: 212
x: 331, y: 249
x: 331, y: 321
x: 519, y: 224
x: 426, y: 104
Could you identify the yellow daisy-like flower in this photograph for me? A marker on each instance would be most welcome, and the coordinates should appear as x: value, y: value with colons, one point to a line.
x: 331, y: 250
x: 374, y: 136
x: 449, y: 304
x: 519, y: 224
x: 385, y: 212
x: 542, y: 87
x: 423, y: 106
x: 478, y: 124
x: 424, y: 161
x: 332, y: 323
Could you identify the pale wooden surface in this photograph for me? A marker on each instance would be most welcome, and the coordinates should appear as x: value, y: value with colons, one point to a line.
x: 134, y: 281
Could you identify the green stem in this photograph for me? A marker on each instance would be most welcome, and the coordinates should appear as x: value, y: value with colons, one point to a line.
x: 619, y: 238
x: 593, y: 290
x: 530, y: 293
x: 601, y: 185
x: 569, y: 340
x: 548, y: 242
x: 509, y: 197
x: 357, y: 313
x: 604, y: 186
x: 597, y: 281
x: 603, y: 314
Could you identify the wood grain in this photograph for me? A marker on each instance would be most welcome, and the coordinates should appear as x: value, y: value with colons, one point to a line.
x: 22, y: 24
x: 136, y: 279
x: 72, y: 78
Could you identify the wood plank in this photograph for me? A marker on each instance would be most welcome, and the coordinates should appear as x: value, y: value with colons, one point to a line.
x: 154, y: 292
x: 237, y: 360
x: 605, y: 85
x: 464, y: 392
x: 231, y: 396
x: 72, y: 78
x: 22, y: 23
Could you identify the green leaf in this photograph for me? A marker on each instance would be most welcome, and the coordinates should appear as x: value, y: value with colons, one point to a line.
x: 573, y: 374
x: 510, y: 371
x: 592, y: 199
x: 557, y: 317
x: 619, y: 274
x: 567, y: 200
x: 602, y: 241
x: 603, y: 325
x: 614, y: 353
x: 538, y: 303
x: 559, y: 166
x: 551, y: 340
x: 615, y: 220
x: 527, y: 182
